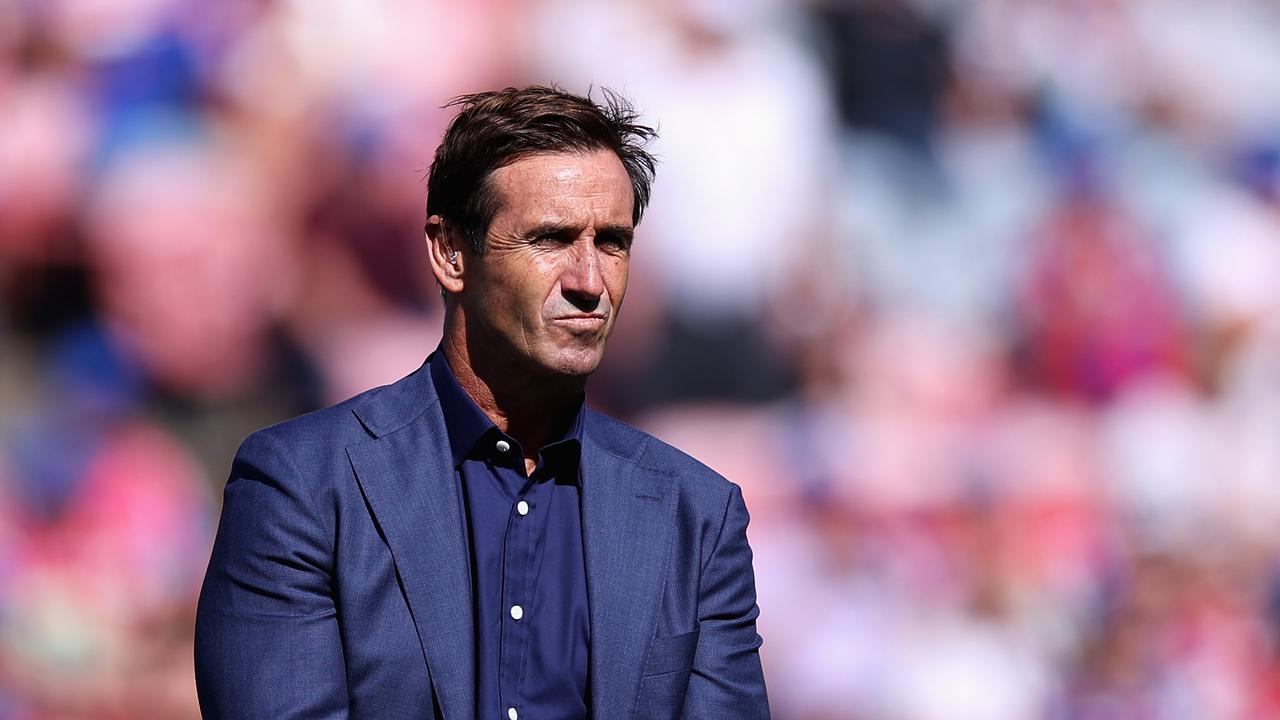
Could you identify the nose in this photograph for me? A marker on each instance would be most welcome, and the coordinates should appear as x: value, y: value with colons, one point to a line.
x: 581, y: 281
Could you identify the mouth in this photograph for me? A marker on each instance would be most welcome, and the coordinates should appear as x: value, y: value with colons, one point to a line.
x: 582, y: 322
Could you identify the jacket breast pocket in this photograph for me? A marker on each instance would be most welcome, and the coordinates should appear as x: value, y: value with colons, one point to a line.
x: 666, y: 676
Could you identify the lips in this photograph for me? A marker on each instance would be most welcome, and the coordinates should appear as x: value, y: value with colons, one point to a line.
x: 583, y: 322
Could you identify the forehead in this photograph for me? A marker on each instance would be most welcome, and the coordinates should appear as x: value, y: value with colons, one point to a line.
x: 565, y: 186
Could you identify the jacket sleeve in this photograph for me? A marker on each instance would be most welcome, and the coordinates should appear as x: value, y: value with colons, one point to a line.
x: 267, y: 644
x: 727, y: 681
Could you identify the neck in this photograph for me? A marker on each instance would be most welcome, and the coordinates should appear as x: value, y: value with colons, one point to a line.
x: 531, y: 405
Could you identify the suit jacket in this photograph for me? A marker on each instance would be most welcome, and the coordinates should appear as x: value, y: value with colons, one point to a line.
x: 339, y: 585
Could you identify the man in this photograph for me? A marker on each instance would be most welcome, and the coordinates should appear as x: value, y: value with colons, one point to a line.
x: 471, y: 541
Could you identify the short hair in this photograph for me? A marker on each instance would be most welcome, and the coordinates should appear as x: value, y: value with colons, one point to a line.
x: 494, y: 129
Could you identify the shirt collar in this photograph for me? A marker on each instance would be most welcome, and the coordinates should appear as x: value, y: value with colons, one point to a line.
x: 467, y: 424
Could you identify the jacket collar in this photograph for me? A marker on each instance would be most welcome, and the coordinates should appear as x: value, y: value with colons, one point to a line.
x: 407, y: 479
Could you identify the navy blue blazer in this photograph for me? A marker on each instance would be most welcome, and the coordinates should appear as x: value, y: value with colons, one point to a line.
x: 339, y: 585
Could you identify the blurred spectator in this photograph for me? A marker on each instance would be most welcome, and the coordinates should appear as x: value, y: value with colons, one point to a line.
x: 889, y: 62
x: 191, y: 264
x: 1096, y: 310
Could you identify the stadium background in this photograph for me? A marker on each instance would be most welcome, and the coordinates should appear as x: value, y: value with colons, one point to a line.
x: 979, y: 301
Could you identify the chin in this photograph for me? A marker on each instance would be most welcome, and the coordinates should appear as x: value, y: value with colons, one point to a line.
x: 574, y: 363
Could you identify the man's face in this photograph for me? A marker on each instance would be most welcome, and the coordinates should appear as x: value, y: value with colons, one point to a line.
x: 547, y: 291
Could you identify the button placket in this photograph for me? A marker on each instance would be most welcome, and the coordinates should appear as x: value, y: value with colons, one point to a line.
x: 517, y: 566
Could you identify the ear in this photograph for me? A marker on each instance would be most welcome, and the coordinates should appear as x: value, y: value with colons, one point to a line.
x: 444, y: 249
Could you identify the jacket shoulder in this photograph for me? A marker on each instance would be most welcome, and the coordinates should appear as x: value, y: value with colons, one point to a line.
x: 650, y: 452
x: 369, y: 414
x: 335, y: 425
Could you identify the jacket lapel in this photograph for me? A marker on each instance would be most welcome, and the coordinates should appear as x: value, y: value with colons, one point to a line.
x: 628, y: 512
x: 408, y: 479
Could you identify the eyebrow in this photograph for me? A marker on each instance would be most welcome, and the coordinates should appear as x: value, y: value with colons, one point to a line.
x: 623, y: 232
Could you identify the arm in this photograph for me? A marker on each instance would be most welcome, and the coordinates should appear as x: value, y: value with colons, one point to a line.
x: 267, y: 642
x: 727, y: 681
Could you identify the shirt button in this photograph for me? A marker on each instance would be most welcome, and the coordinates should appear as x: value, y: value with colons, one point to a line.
x: 502, y: 446
x: 512, y: 714
x: 522, y: 507
x: 517, y: 612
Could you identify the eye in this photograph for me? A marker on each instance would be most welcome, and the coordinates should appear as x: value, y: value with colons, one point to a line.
x: 553, y: 237
x: 613, y: 242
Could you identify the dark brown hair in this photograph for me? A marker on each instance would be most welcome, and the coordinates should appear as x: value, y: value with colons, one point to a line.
x: 494, y: 129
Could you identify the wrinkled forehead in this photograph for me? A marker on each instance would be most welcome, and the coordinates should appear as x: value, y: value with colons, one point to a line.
x: 565, y: 186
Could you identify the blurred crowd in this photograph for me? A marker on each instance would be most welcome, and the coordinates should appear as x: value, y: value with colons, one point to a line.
x: 979, y: 301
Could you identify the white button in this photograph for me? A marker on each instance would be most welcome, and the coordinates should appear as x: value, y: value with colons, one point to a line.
x: 517, y: 612
x: 522, y: 507
x: 502, y: 446
x: 511, y: 714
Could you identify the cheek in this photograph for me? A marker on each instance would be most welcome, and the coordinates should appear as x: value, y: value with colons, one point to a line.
x: 540, y: 288
x: 616, y: 279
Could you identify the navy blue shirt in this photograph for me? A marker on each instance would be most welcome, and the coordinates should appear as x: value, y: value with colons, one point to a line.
x: 529, y: 580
